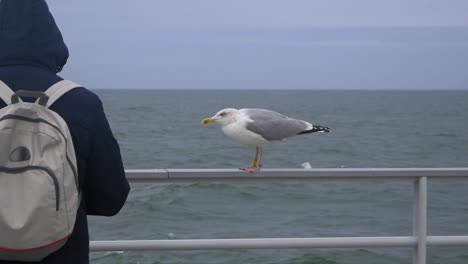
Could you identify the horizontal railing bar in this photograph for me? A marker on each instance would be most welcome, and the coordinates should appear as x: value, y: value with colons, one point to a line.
x: 273, y: 243
x: 148, y: 175
x: 211, y: 175
x: 196, y: 175
x: 447, y: 240
x: 251, y: 243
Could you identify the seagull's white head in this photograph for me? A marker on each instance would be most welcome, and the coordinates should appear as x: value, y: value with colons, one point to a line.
x: 223, y: 117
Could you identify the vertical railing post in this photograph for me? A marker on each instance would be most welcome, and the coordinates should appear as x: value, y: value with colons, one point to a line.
x: 420, y: 220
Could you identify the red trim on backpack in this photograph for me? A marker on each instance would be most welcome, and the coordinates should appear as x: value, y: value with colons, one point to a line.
x: 36, y: 248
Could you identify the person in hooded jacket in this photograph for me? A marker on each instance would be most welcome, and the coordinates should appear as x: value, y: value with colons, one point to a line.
x: 32, y: 52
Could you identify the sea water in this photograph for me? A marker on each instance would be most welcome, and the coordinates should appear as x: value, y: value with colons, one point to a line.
x: 161, y: 129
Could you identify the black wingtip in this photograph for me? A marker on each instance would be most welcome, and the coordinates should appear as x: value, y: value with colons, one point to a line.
x: 316, y: 129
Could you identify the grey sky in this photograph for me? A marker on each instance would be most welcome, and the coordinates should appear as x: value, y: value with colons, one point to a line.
x: 217, y: 44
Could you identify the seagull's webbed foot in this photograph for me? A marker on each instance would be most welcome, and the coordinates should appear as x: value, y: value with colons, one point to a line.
x: 251, y: 169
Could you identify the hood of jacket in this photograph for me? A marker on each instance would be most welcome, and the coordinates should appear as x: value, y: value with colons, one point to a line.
x: 30, y: 36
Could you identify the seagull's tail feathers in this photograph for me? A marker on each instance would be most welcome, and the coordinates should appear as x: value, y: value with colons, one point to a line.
x: 315, y: 129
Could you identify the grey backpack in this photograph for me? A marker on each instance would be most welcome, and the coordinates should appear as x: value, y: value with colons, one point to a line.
x: 39, y: 192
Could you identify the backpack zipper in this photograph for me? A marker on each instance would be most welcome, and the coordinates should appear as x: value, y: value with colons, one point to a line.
x: 40, y: 120
x: 46, y: 170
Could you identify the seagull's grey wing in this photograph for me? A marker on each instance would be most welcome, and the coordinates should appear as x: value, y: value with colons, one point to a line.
x: 262, y: 114
x: 272, y: 125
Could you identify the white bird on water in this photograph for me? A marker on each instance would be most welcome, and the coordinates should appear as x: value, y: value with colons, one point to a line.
x: 258, y: 127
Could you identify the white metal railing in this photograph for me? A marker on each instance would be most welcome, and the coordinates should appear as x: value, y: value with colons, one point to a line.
x: 419, y: 240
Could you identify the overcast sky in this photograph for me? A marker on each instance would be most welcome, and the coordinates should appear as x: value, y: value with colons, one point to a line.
x: 265, y: 44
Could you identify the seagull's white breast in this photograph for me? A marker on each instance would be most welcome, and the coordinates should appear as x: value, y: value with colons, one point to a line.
x: 238, y: 131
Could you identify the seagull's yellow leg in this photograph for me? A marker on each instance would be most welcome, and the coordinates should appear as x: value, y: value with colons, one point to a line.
x: 255, y: 159
x: 255, y: 162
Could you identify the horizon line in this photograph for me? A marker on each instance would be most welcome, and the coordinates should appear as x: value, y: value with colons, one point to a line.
x: 273, y: 89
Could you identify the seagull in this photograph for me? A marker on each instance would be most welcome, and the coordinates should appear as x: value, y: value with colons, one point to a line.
x: 258, y: 127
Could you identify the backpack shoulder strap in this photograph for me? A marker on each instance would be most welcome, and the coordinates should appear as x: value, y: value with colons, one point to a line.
x: 5, y: 93
x: 59, y: 89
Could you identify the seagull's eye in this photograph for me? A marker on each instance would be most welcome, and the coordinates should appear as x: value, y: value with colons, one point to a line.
x: 223, y: 114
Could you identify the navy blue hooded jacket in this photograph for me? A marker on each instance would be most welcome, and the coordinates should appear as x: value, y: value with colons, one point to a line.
x: 32, y: 52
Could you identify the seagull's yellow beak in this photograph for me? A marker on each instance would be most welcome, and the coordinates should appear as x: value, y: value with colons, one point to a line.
x: 207, y: 120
